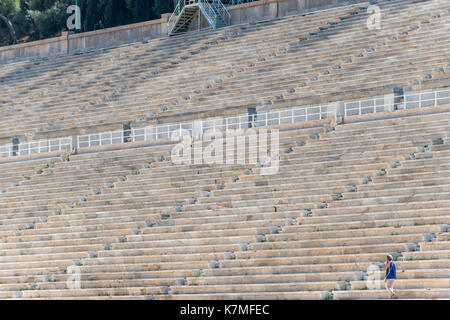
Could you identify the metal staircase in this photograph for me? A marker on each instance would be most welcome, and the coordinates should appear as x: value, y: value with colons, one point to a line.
x: 213, y: 10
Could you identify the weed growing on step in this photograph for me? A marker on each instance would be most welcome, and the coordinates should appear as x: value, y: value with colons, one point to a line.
x: 337, y: 196
x: 67, y: 156
x: 50, y: 278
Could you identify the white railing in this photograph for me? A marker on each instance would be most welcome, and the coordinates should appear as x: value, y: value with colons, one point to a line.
x: 223, y: 12
x: 100, y: 139
x: 35, y: 147
x: 245, y: 121
x: 270, y: 118
x: 365, y: 106
x: 409, y: 100
x: 422, y: 99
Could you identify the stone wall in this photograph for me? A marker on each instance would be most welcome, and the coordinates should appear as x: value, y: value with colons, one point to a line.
x: 105, y: 38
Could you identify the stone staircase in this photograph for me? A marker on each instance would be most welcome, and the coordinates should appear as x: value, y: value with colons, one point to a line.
x: 140, y: 227
x: 348, y: 191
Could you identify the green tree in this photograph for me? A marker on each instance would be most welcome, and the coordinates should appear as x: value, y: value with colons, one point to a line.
x: 163, y: 6
x: 142, y: 10
x: 40, y: 19
x: 8, y: 7
x: 116, y: 13
x: 49, y: 18
x: 93, y: 15
x: 41, y: 5
x: 24, y: 5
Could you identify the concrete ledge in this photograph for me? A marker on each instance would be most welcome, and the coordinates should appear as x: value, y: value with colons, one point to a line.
x: 37, y: 156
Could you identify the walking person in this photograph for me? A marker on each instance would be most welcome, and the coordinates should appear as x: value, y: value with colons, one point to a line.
x: 391, y: 275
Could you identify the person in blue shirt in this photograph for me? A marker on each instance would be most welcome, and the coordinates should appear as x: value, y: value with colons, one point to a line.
x: 391, y: 275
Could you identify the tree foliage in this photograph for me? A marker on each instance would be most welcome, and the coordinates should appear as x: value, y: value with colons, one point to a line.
x: 8, y: 7
x: 163, y: 6
x: 40, y: 19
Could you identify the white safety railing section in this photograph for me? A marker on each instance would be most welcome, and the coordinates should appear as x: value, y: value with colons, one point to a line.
x: 409, y: 100
x: 245, y: 121
x: 422, y: 99
x: 270, y: 118
x: 294, y: 115
x: 100, y: 139
x: 366, y: 106
x: 35, y: 147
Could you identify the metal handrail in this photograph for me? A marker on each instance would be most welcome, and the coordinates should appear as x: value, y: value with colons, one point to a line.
x: 223, y: 12
x: 176, y: 13
x: 212, y: 9
x: 209, y: 12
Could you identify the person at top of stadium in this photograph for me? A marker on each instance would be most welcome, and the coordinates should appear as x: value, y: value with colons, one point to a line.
x: 391, y: 275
